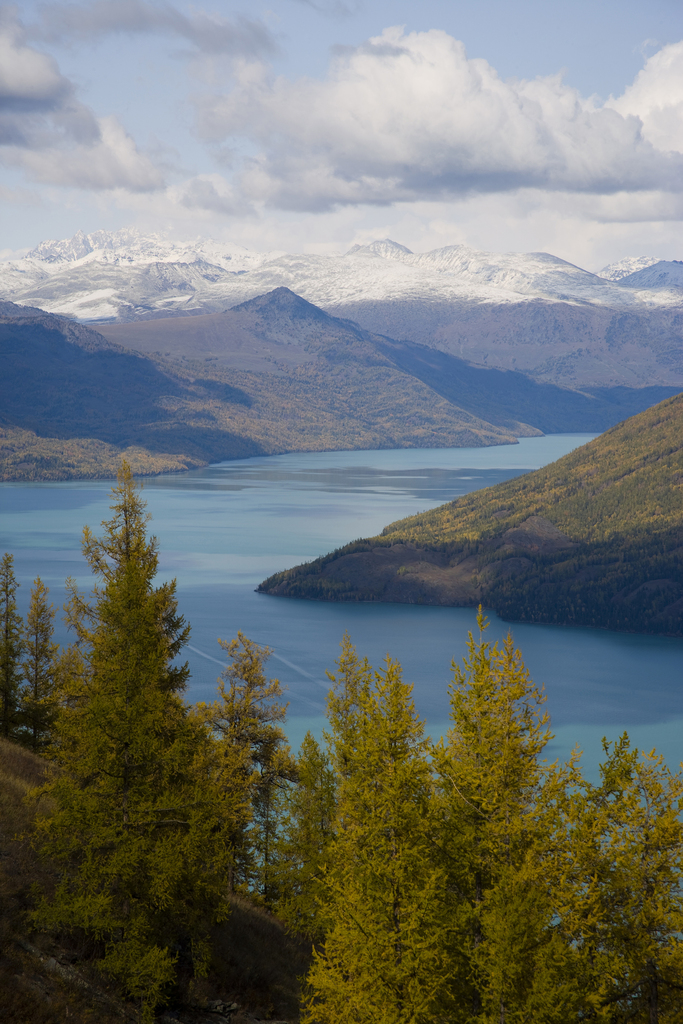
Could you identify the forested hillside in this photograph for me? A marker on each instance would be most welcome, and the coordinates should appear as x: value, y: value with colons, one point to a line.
x: 592, y: 539
x: 167, y: 862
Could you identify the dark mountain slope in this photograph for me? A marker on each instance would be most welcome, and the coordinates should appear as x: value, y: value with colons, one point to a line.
x: 274, y: 374
x: 594, y: 539
x: 51, y: 383
x: 572, y: 343
x: 503, y: 396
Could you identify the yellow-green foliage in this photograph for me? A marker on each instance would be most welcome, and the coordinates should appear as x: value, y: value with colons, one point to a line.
x: 25, y: 456
x: 620, y: 903
x: 38, y: 702
x: 133, y: 825
x: 306, y: 828
x: 629, y: 478
x: 471, y: 881
x: 254, y: 762
x: 382, y: 960
x: 496, y: 825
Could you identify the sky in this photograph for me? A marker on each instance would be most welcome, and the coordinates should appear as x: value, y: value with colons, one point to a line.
x: 314, y: 125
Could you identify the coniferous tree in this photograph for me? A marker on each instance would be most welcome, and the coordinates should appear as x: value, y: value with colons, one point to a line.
x: 11, y: 649
x: 351, y: 686
x: 38, y: 706
x: 623, y: 906
x: 306, y: 829
x: 256, y: 763
x: 498, y: 806
x: 132, y: 826
x: 381, y: 960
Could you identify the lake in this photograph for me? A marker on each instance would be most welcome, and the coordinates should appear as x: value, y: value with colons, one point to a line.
x: 225, y: 528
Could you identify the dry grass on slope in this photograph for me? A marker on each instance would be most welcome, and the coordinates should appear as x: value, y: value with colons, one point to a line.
x: 593, y: 539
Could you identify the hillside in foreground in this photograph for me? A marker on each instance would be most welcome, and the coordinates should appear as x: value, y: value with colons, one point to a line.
x: 594, y: 539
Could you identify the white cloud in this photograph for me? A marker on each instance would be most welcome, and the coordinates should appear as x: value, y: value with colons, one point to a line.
x: 110, y: 161
x: 407, y: 117
x: 28, y: 79
x: 656, y: 97
x: 31, y: 88
x: 46, y: 132
x: 210, y: 193
x: 209, y: 33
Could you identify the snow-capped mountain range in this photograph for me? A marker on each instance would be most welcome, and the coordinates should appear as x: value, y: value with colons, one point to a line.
x: 530, y: 311
x: 124, y: 275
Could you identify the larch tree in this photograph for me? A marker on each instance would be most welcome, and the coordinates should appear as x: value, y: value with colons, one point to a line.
x: 131, y: 825
x: 254, y: 761
x: 306, y: 828
x: 11, y: 649
x: 350, y: 692
x: 623, y: 908
x: 381, y: 960
x: 38, y: 705
x: 498, y: 819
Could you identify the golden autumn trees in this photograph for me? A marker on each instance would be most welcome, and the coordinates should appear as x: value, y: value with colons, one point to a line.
x: 38, y: 703
x: 498, y: 818
x: 623, y: 898
x: 382, y: 957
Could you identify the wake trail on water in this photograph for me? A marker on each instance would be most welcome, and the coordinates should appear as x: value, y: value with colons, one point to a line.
x: 278, y: 657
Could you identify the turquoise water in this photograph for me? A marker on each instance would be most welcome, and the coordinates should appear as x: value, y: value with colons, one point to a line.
x: 225, y: 528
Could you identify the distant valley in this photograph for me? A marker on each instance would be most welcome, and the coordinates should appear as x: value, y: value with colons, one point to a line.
x: 530, y: 312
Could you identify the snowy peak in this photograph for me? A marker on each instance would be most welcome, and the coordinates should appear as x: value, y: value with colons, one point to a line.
x: 384, y: 247
x: 664, y: 274
x: 624, y: 268
x: 124, y: 275
x: 129, y: 246
x: 68, y: 250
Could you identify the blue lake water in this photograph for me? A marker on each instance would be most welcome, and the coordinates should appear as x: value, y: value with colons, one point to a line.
x: 225, y: 528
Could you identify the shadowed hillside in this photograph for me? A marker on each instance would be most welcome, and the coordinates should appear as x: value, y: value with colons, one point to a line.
x: 283, y: 332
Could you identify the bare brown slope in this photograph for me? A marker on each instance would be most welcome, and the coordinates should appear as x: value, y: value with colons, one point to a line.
x: 65, y: 383
x: 281, y: 333
x: 228, y: 339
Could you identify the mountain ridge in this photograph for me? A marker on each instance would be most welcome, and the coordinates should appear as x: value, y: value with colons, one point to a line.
x: 74, y: 402
x: 527, y: 311
x: 274, y: 374
x: 257, y: 334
